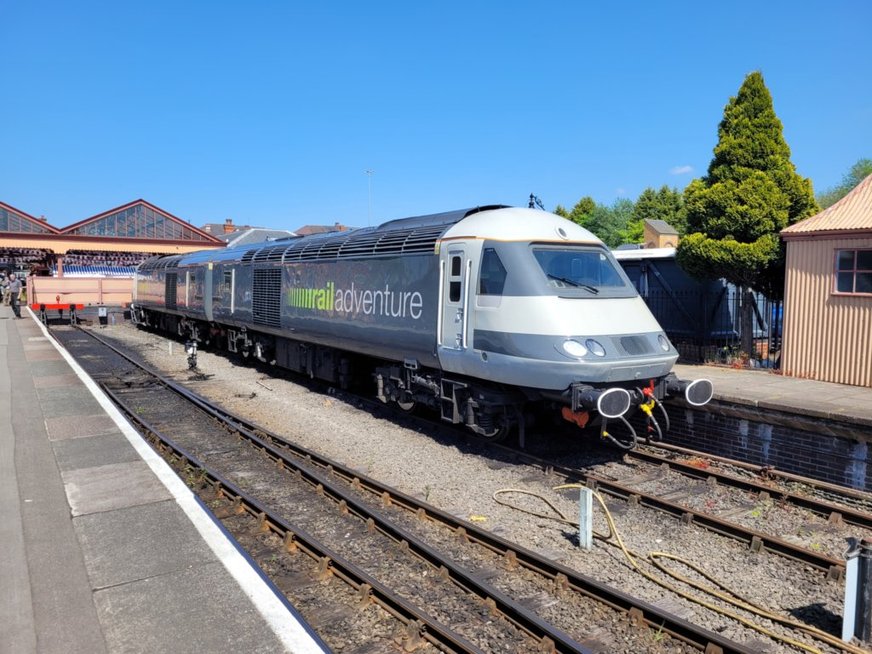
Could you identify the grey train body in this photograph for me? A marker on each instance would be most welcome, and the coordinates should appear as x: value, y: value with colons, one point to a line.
x: 475, y: 313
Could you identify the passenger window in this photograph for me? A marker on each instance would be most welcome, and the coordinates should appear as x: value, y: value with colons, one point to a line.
x: 455, y: 266
x: 492, y: 277
x: 219, y: 282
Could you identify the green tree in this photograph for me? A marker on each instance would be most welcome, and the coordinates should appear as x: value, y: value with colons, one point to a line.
x: 859, y: 171
x: 667, y: 204
x: 582, y: 211
x: 610, y: 223
x: 561, y: 211
x: 751, y: 193
x: 634, y: 232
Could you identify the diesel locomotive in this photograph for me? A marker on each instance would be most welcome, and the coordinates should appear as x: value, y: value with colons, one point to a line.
x: 486, y: 315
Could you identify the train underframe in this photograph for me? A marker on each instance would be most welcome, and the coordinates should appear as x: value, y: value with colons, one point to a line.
x: 489, y: 410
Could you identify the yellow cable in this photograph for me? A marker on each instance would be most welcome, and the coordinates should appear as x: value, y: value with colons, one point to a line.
x: 652, y: 559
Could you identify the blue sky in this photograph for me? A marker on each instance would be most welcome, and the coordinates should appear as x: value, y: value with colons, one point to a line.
x: 271, y: 112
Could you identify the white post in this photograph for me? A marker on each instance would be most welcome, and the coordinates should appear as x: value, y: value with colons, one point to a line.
x: 585, y: 519
x: 857, y: 617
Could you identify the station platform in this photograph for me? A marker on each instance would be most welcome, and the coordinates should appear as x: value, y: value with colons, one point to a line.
x: 102, y: 547
x: 765, y: 389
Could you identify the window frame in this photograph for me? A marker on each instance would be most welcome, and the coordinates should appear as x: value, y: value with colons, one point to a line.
x: 455, y: 278
x: 853, y: 271
x: 486, y: 292
x: 626, y: 289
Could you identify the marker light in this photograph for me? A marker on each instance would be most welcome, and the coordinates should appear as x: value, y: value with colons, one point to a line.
x: 595, y: 347
x: 664, y: 343
x: 574, y: 348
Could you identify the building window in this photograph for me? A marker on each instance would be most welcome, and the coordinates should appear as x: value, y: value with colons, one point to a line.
x: 854, y: 271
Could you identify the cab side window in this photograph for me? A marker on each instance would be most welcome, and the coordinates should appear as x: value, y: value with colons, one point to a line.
x: 492, y: 277
x: 455, y: 283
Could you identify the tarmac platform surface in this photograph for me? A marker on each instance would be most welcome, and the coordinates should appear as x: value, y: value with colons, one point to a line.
x: 102, y: 547
x: 768, y: 390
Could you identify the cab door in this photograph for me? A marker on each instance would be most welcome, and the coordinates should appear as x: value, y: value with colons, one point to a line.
x: 454, y: 283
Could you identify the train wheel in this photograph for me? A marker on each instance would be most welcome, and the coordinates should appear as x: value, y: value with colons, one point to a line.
x: 408, y: 407
x: 496, y: 435
x: 492, y: 428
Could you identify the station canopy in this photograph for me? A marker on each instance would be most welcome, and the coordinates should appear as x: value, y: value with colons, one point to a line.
x: 112, y: 243
x: 14, y: 220
x: 140, y: 220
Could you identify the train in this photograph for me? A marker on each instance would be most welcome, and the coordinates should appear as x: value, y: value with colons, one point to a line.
x: 488, y: 316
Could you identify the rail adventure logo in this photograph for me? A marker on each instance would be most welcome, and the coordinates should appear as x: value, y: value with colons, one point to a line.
x: 355, y: 301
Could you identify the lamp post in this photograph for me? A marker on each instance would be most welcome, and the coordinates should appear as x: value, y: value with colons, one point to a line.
x: 369, y: 173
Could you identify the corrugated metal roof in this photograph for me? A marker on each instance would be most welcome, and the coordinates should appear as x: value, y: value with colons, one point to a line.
x: 852, y: 212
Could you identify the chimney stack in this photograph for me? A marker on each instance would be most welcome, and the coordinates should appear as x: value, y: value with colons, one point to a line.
x: 228, y: 225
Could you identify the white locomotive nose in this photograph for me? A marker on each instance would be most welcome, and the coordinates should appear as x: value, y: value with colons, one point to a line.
x: 613, y: 402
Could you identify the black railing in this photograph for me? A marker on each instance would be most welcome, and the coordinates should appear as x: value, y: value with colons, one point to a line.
x: 705, y: 326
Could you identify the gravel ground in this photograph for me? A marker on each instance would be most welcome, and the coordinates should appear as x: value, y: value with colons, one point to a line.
x: 455, y: 477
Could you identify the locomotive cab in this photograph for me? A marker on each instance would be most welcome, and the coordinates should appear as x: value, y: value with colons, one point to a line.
x: 556, y: 318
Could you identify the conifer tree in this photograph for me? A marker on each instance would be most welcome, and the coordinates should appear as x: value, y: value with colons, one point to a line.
x: 751, y: 193
x: 667, y: 204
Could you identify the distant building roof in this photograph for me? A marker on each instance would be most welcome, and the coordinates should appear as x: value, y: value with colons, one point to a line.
x: 306, y: 230
x: 852, y: 213
x: 661, y: 226
x: 254, y: 235
x: 227, y: 227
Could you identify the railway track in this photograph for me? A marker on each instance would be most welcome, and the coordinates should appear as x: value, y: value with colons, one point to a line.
x: 851, y: 505
x: 555, y: 585
x: 367, y: 552
x: 408, y: 505
x: 733, y: 498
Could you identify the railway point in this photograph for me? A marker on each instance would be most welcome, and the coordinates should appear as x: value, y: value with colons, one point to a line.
x: 104, y: 548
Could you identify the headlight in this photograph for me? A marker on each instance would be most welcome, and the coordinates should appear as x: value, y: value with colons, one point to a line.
x: 595, y: 347
x: 574, y: 348
x: 664, y: 343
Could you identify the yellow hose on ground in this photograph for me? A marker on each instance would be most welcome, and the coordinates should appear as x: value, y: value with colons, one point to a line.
x: 729, y: 596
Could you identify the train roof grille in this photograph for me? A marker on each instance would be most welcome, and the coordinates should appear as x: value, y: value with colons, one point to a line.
x: 269, y: 253
x: 416, y: 235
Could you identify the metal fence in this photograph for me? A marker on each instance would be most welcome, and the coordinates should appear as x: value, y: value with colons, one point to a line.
x: 705, y: 326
